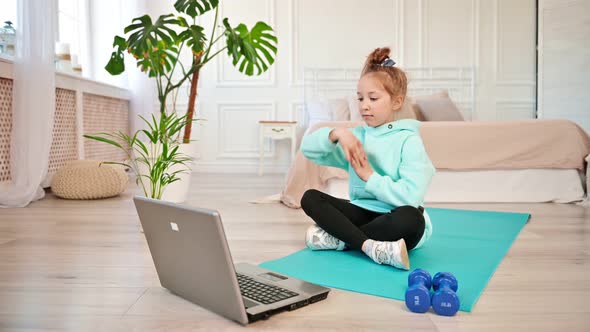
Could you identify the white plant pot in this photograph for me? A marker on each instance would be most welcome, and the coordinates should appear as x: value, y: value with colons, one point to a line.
x: 176, y: 192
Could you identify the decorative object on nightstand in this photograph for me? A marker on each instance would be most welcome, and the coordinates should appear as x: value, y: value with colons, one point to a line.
x: 276, y: 130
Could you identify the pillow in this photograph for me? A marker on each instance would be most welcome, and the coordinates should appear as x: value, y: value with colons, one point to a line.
x: 437, y: 107
x: 340, y: 110
x: 407, y: 111
x: 322, y: 110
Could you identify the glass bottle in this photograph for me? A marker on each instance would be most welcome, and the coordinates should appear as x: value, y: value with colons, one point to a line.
x: 7, y: 38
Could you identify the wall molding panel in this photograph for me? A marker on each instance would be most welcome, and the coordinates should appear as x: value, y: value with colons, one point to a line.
x: 237, y: 124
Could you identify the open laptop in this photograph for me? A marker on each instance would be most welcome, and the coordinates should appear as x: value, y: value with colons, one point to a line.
x: 193, y: 261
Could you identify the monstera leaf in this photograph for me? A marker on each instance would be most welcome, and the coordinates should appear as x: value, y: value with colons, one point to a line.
x: 159, y: 60
x: 145, y: 34
x: 116, y: 64
x: 251, y: 50
x: 193, y: 36
x: 195, y: 8
x: 152, y: 44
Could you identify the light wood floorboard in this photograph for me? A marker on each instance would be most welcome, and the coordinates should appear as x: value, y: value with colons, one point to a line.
x: 84, y: 266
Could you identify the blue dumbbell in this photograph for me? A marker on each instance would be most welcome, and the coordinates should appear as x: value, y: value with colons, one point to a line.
x: 418, y: 292
x: 445, y: 301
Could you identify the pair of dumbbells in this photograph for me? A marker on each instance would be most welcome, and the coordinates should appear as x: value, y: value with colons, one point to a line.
x: 444, y: 300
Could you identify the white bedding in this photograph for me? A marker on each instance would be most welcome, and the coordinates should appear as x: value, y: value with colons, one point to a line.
x: 526, y: 185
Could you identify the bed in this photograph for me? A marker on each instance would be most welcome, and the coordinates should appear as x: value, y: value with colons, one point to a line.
x: 477, y: 161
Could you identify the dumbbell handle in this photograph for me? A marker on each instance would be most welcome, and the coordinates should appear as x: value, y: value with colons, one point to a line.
x: 421, y: 276
x: 444, y: 280
x: 420, y: 280
x: 445, y: 284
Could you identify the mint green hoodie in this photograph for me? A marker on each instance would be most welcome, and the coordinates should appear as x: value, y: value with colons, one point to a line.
x: 402, y: 170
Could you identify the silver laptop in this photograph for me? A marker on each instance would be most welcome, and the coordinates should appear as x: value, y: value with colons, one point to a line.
x: 193, y: 261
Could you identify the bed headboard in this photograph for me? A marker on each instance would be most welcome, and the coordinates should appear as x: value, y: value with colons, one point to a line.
x: 341, y: 82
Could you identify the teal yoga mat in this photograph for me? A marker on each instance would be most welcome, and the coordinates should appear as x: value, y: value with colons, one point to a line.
x: 469, y: 244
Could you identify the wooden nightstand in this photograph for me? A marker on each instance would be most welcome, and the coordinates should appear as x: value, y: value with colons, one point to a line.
x: 276, y: 130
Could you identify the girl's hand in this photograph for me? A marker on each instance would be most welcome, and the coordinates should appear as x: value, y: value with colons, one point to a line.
x: 353, y: 149
x: 363, y: 169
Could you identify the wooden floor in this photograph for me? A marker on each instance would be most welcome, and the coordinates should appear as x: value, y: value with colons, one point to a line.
x: 84, y: 266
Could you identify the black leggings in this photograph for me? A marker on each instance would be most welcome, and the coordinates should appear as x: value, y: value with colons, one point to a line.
x: 354, y: 225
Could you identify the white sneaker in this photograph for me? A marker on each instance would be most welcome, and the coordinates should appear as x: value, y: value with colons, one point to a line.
x: 394, y: 253
x: 318, y: 239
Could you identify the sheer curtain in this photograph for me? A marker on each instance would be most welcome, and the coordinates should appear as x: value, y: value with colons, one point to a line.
x: 33, y: 102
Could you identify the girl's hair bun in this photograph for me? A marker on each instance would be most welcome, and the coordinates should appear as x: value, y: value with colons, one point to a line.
x: 378, y: 56
x: 392, y: 77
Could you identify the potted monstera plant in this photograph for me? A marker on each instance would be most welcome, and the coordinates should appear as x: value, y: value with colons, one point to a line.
x: 156, y: 47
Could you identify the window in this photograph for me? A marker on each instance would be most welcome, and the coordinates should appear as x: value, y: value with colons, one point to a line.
x: 8, y: 13
x: 73, y: 31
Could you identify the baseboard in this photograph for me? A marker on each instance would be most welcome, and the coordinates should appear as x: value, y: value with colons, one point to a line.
x: 238, y: 167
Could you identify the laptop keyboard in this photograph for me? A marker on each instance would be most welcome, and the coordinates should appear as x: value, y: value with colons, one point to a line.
x: 262, y: 292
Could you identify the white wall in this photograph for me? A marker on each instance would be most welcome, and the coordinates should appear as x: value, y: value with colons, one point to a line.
x: 497, y: 37
x: 564, y: 60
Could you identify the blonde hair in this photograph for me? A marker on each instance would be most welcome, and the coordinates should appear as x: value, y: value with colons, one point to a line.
x: 393, y: 79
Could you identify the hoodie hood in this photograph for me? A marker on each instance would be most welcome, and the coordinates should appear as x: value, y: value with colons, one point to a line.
x: 394, y: 126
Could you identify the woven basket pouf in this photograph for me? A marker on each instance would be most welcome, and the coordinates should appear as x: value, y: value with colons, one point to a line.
x: 89, y: 179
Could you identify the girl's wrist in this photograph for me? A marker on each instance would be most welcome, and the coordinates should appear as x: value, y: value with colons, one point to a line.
x: 334, y: 137
x: 368, y: 176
